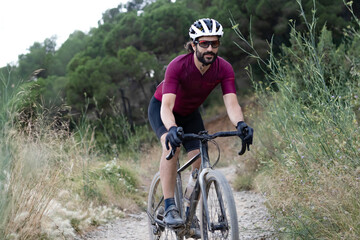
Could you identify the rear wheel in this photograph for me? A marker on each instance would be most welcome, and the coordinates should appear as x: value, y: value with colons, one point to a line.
x: 221, y: 208
x: 156, y: 211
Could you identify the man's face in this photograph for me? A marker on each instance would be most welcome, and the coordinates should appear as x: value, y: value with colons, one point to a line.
x: 207, y: 54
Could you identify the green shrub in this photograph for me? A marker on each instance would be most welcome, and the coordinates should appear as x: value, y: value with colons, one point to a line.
x: 113, y: 133
x: 122, y: 179
x: 310, y: 139
x: 51, y: 177
x: 244, y: 182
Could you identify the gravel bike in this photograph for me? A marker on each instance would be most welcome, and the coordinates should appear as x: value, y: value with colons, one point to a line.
x: 218, y: 217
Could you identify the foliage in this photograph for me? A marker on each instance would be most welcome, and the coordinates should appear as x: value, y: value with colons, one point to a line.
x: 52, y: 181
x: 114, y: 133
x: 126, y: 54
x: 74, y: 44
x: 309, y: 136
x: 92, y: 92
x: 41, y: 56
x: 120, y: 179
x: 89, y: 81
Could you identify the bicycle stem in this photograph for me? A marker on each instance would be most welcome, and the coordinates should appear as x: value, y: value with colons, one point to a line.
x: 205, y: 161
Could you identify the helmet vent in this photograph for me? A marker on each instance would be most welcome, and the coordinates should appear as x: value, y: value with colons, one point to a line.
x: 205, y: 27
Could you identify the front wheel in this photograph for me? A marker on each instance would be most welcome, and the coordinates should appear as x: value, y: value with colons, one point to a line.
x: 221, y: 209
x: 155, y: 210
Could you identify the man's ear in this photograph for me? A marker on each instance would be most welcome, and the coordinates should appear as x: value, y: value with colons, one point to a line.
x: 193, y: 46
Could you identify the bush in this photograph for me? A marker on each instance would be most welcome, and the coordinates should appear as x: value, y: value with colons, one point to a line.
x: 52, y: 180
x: 310, y: 136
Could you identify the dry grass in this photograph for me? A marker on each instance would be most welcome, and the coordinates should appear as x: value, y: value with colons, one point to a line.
x: 32, y: 184
x: 327, y: 202
x: 309, y: 152
x: 246, y: 165
x: 44, y: 189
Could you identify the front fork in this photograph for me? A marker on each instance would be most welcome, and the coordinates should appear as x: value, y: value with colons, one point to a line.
x: 202, y: 182
x: 205, y: 168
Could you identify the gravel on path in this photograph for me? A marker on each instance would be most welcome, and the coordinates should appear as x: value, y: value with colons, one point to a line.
x: 253, y: 219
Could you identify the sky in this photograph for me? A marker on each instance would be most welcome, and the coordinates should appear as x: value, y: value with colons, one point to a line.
x: 23, y: 22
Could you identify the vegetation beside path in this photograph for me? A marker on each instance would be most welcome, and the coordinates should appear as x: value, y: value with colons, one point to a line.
x: 55, y: 180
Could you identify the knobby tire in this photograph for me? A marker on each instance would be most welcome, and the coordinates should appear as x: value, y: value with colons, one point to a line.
x: 154, y: 197
x: 219, y: 194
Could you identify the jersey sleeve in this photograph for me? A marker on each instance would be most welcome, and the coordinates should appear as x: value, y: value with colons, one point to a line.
x: 228, y: 79
x: 171, y: 80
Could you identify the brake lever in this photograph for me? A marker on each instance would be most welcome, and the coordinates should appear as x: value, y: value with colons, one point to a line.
x: 243, y: 148
x: 171, y: 154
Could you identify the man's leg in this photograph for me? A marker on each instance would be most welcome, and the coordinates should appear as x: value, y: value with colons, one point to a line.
x: 167, y: 167
x: 195, y: 222
x: 168, y: 180
x: 168, y: 170
x: 192, y: 154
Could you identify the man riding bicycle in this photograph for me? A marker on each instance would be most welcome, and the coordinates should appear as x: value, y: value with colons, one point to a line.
x: 189, y: 79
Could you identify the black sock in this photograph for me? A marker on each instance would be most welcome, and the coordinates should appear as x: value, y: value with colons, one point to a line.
x: 169, y: 202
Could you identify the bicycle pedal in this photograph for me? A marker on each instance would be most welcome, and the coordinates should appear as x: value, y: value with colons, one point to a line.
x: 174, y: 227
x: 157, y: 230
x: 160, y: 213
x: 193, y: 233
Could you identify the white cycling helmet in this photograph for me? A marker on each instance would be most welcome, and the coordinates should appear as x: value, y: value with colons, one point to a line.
x: 205, y: 27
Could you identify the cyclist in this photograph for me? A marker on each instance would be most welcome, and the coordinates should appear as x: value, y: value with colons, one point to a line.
x: 189, y: 79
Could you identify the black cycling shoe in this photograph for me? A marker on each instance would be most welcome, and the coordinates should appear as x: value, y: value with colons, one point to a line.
x: 172, y: 218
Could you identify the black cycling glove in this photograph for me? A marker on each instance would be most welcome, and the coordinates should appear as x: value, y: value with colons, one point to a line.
x: 173, y: 138
x: 245, y: 133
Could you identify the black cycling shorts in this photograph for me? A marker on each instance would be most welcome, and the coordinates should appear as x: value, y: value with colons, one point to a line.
x: 191, y: 123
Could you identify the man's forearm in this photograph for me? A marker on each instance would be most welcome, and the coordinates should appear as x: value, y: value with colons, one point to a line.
x: 166, y: 111
x: 235, y: 114
x: 168, y: 118
x: 233, y: 108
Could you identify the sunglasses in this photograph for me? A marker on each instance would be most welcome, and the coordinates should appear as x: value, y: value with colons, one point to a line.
x: 206, y: 44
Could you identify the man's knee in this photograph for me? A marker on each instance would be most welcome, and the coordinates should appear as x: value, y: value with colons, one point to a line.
x: 162, y: 141
x: 193, y: 153
x: 164, y: 148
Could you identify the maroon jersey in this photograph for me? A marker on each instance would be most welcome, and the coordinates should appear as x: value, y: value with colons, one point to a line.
x: 191, y: 87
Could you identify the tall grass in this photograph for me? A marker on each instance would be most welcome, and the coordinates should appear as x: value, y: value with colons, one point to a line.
x: 113, y: 132
x: 20, y: 208
x: 54, y: 182
x: 309, y: 135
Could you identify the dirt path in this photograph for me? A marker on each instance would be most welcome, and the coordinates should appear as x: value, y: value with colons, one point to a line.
x: 252, y: 214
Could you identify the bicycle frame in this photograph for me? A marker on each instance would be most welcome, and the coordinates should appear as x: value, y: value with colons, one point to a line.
x: 193, y: 203
x: 200, y: 185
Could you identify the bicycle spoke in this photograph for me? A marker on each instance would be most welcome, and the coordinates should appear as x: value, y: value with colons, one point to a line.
x: 170, y: 234
x: 217, y: 212
x: 155, y: 209
x: 219, y: 219
x: 221, y: 209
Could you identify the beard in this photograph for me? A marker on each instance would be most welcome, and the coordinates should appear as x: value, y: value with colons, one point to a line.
x: 206, y: 60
